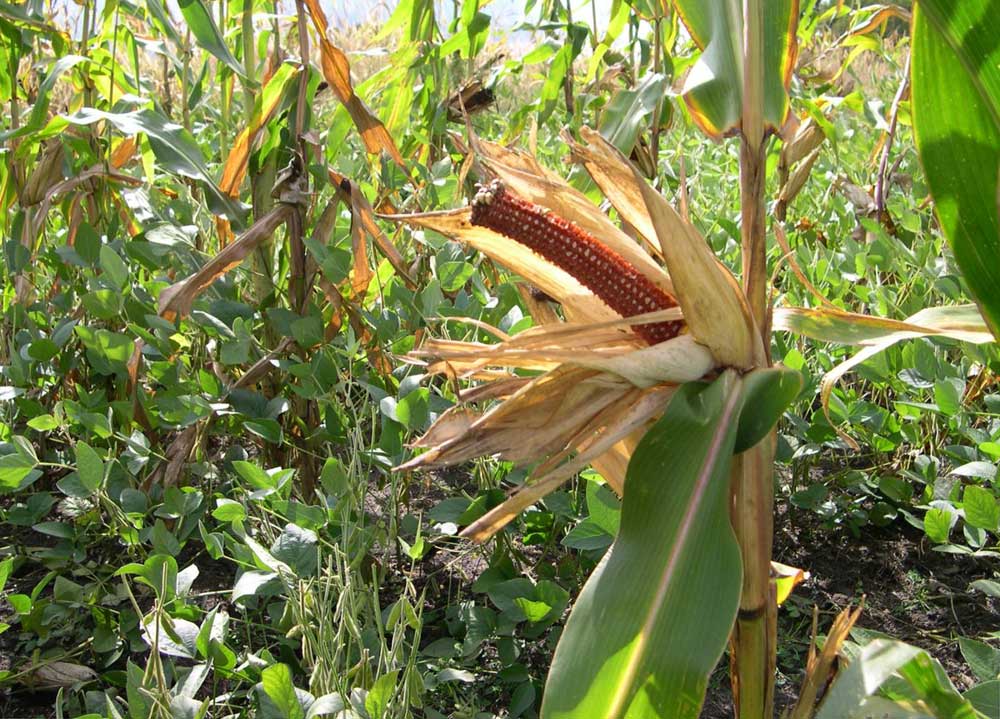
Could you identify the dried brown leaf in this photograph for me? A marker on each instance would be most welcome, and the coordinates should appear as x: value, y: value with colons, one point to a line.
x: 178, y: 299
x: 714, y: 306
x: 337, y: 71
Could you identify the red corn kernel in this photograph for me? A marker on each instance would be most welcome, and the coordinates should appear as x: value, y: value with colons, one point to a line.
x: 595, y: 265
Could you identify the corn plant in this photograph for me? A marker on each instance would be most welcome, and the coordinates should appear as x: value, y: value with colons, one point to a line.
x: 690, y: 570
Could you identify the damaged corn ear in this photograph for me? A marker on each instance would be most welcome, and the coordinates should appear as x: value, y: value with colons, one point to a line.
x: 597, y: 267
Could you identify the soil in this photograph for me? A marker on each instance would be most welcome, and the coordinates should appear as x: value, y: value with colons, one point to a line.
x: 911, y: 592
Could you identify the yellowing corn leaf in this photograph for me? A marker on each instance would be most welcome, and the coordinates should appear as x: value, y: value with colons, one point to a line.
x: 264, y: 106
x: 713, y: 89
x: 337, y: 71
x: 874, y: 334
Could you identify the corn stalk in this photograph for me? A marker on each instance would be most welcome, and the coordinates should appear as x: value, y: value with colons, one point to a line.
x: 755, y: 634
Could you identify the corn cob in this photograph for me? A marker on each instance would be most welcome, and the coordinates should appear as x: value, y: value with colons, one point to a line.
x: 595, y: 265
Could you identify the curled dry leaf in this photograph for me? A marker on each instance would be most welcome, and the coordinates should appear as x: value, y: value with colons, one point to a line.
x: 363, y: 216
x: 337, y: 72
x: 808, y: 137
x: 785, y: 578
x: 59, y: 675
x: 178, y: 299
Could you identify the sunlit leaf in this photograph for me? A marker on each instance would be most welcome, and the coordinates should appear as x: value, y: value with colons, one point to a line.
x: 875, y: 334
x: 174, y: 147
x: 207, y: 33
x: 956, y: 120
x: 656, y: 646
x: 337, y: 71
x: 714, y: 87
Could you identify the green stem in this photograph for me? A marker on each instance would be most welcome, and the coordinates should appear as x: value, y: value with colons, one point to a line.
x: 249, y: 57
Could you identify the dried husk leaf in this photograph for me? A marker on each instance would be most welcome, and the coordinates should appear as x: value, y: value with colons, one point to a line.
x: 579, y: 303
x: 530, y: 180
x: 877, y: 334
x: 632, y: 413
x: 808, y: 137
x: 178, y: 299
x: 797, y: 179
x: 714, y: 306
x: 362, y: 211
x: 542, y: 415
x: 46, y: 174
x: 609, y: 349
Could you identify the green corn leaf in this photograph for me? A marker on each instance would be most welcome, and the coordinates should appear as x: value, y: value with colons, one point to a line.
x: 956, y: 120
x: 714, y: 88
x: 174, y: 147
x: 654, y: 618
x: 207, y: 33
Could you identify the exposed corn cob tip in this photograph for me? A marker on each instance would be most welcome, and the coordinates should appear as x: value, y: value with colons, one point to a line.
x: 596, y: 266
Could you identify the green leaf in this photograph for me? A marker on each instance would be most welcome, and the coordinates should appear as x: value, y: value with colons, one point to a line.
x: 985, y: 698
x: 174, y: 147
x: 454, y: 275
x: 987, y: 587
x: 879, y: 660
x: 267, y: 429
x: 714, y: 87
x: 604, y: 506
x: 587, y: 535
x: 948, y: 395
x: 43, y: 423
x: 534, y: 611
x: 381, y: 693
x: 277, y: 683
x: 89, y: 467
x: 6, y: 567
x: 102, y: 304
x: 413, y: 410
x: 161, y: 20
x: 16, y: 471
x: 648, y: 651
x: 627, y: 113
x: 207, y: 33
x: 983, y: 660
x: 981, y: 509
x: 956, y: 120
x: 768, y: 393
x: 296, y: 547
x: 937, y: 524
x: 228, y: 510
x: 114, y: 267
